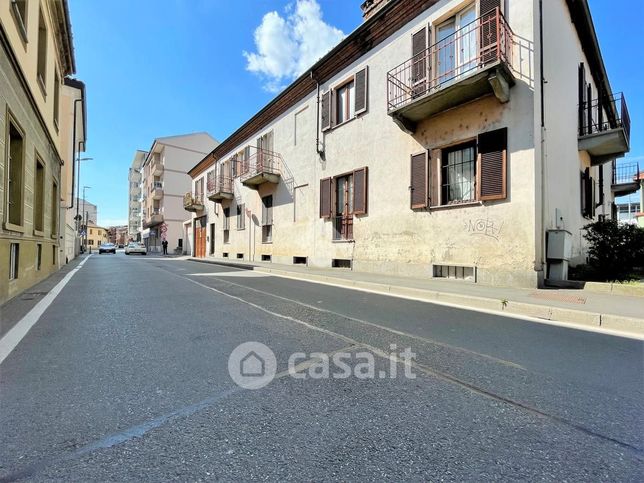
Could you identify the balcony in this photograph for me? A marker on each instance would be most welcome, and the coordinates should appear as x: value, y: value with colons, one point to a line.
x: 192, y: 202
x: 473, y: 61
x: 263, y: 166
x: 626, y: 179
x: 155, y: 218
x: 156, y: 165
x: 219, y: 188
x: 157, y: 190
x: 604, y: 128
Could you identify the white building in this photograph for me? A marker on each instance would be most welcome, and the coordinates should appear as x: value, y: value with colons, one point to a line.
x: 439, y: 139
x: 134, y: 179
x: 163, y: 184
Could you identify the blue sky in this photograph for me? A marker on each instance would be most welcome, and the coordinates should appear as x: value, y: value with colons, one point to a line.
x: 162, y: 67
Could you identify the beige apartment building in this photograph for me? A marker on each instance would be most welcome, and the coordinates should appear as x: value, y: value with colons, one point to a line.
x: 440, y: 139
x: 36, y: 55
x: 96, y: 236
x: 134, y: 179
x: 164, y: 181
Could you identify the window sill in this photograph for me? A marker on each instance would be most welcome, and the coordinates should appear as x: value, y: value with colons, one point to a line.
x: 343, y: 241
x: 11, y: 227
x: 39, y: 233
x: 267, y: 242
x: 335, y: 126
x: 456, y: 205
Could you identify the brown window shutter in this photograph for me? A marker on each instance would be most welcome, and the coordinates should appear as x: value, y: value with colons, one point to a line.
x: 489, y: 34
x: 492, y: 168
x: 418, y: 185
x: 360, y: 191
x: 325, y: 198
x: 326, y: 110
x: 362, y: 90
x: 419, y: 62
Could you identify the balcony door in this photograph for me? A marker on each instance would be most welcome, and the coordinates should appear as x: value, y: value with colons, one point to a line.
x: 456, y: 47
x: 264, y: 143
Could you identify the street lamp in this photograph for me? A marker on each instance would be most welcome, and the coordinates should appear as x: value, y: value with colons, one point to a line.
x: 78, y: 184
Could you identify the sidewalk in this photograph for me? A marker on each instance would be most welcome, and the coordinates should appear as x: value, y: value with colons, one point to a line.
x: 609, y: 311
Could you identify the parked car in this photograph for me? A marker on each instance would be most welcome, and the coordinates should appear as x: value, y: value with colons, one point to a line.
x: 107, y: 248
x: 134, y: 247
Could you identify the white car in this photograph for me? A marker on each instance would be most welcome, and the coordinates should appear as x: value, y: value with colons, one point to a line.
x: 134, y: 247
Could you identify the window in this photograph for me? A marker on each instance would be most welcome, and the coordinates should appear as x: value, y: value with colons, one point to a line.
x: 587, y: 194
x: 471, y: 171
x: 91, y: 231
x: 15, y: 188
x: 241, y: 217
x: 458, y: 174
x: 54, y: 209
x: 212, y: 239
x: 19, y: 11
x: 346, y: 101
x: 226, y: 225
x: 38, y: 256
x: 14, y: 260
x: 56, y: 98
x: 90, y: 242
x: 42, y: 53
x: 456, y: 49
x: 345, y: 97
x: 343, y: 197
x: 39, y: 197
x: 54, y: 249
x: 267, y: 219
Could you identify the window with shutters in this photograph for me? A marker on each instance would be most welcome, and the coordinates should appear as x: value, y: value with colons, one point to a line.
x: 345, y: 101
x: 267, y: 219
x: 19, y: 11
x: 343, y: 216
x: 342, y: 198
x: 587, y: 194
x: 15, y: 169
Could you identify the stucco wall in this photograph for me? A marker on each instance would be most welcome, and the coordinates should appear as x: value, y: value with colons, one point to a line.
x: 496, y: 237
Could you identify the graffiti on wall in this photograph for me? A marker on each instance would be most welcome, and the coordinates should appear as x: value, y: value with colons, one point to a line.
x: 484, y: 226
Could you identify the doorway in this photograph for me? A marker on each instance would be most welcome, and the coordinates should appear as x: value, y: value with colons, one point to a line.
x: 212, y: 239
x: 200, y: 237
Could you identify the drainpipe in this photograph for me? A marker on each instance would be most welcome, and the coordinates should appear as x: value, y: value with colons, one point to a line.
x: 542, y: 236
x: 74, y: 155
x: 319, y: 150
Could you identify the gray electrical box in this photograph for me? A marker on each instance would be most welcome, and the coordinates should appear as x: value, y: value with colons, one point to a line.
x: 558, y: 252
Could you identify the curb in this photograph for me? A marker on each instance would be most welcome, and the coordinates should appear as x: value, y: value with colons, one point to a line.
x: 611, y: 322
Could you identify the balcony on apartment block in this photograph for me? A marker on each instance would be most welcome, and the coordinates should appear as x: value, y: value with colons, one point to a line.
x: 473, y: 61
x: 155, y: 218
x: 626, y: 179
x: 219, y: 187
x: 604, y: 128
x: 262, y: 166
x: 193, y: 202
x: 157, y: 190
x: 156, y: 165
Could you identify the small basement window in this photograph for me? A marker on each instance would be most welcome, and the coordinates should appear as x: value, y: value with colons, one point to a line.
x: 341, y: 263
x: 240, y: 256
x: 300, y: 261
x: 455, y: 272
x: 266, y: 258
x: 225, y: 254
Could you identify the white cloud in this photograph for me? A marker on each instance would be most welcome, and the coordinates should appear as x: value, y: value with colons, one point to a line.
x: 288, y: 45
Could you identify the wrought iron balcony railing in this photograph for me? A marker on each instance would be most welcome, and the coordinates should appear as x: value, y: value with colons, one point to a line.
x: 193, y: 202
x: 486, y: 41
x: 603, y: 114
x: 260, y: 167
x: 218, y: 186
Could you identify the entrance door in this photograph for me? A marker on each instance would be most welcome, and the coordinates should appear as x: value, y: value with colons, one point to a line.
x: 200, y: 237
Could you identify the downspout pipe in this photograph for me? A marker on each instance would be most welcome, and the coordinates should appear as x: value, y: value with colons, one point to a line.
x: 319, y: 150
x: 542, y: 235
x: 74, y: 152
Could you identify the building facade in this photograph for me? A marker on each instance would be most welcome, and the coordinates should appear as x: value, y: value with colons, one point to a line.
x: 134, y: 201
x: 164, y: 182
x: 96, y: 236
x: 117, y: 235
x: 36, y: 55
x: 439, y: 139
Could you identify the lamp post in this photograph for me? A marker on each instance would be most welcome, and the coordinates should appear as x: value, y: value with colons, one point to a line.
x: 78, y: 218
x: 84, y: 217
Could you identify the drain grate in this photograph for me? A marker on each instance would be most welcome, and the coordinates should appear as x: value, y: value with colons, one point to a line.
x: 571, y: 299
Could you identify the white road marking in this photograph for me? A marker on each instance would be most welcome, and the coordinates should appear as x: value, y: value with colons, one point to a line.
x: 12, y: 338
x: 242, y: 274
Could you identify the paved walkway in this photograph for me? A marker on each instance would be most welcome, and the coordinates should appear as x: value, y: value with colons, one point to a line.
x: 568, y: 305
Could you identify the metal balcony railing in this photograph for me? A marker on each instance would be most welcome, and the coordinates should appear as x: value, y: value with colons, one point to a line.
x: 603, y: 114
x: 218, y: 184
x: 625, y: 173
x: 193, y: 202
x: 260, y: 162
x: 483, y: 42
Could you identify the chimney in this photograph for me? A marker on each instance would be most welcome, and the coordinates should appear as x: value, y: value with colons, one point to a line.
x: 370, y: 7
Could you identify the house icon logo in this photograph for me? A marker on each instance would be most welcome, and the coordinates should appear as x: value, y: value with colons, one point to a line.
x: 252, y: 365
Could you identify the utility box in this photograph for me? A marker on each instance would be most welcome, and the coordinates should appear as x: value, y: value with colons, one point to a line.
x: 558, y: 252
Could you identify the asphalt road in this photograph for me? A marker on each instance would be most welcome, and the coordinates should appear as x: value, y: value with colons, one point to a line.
x: 125, y: 377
